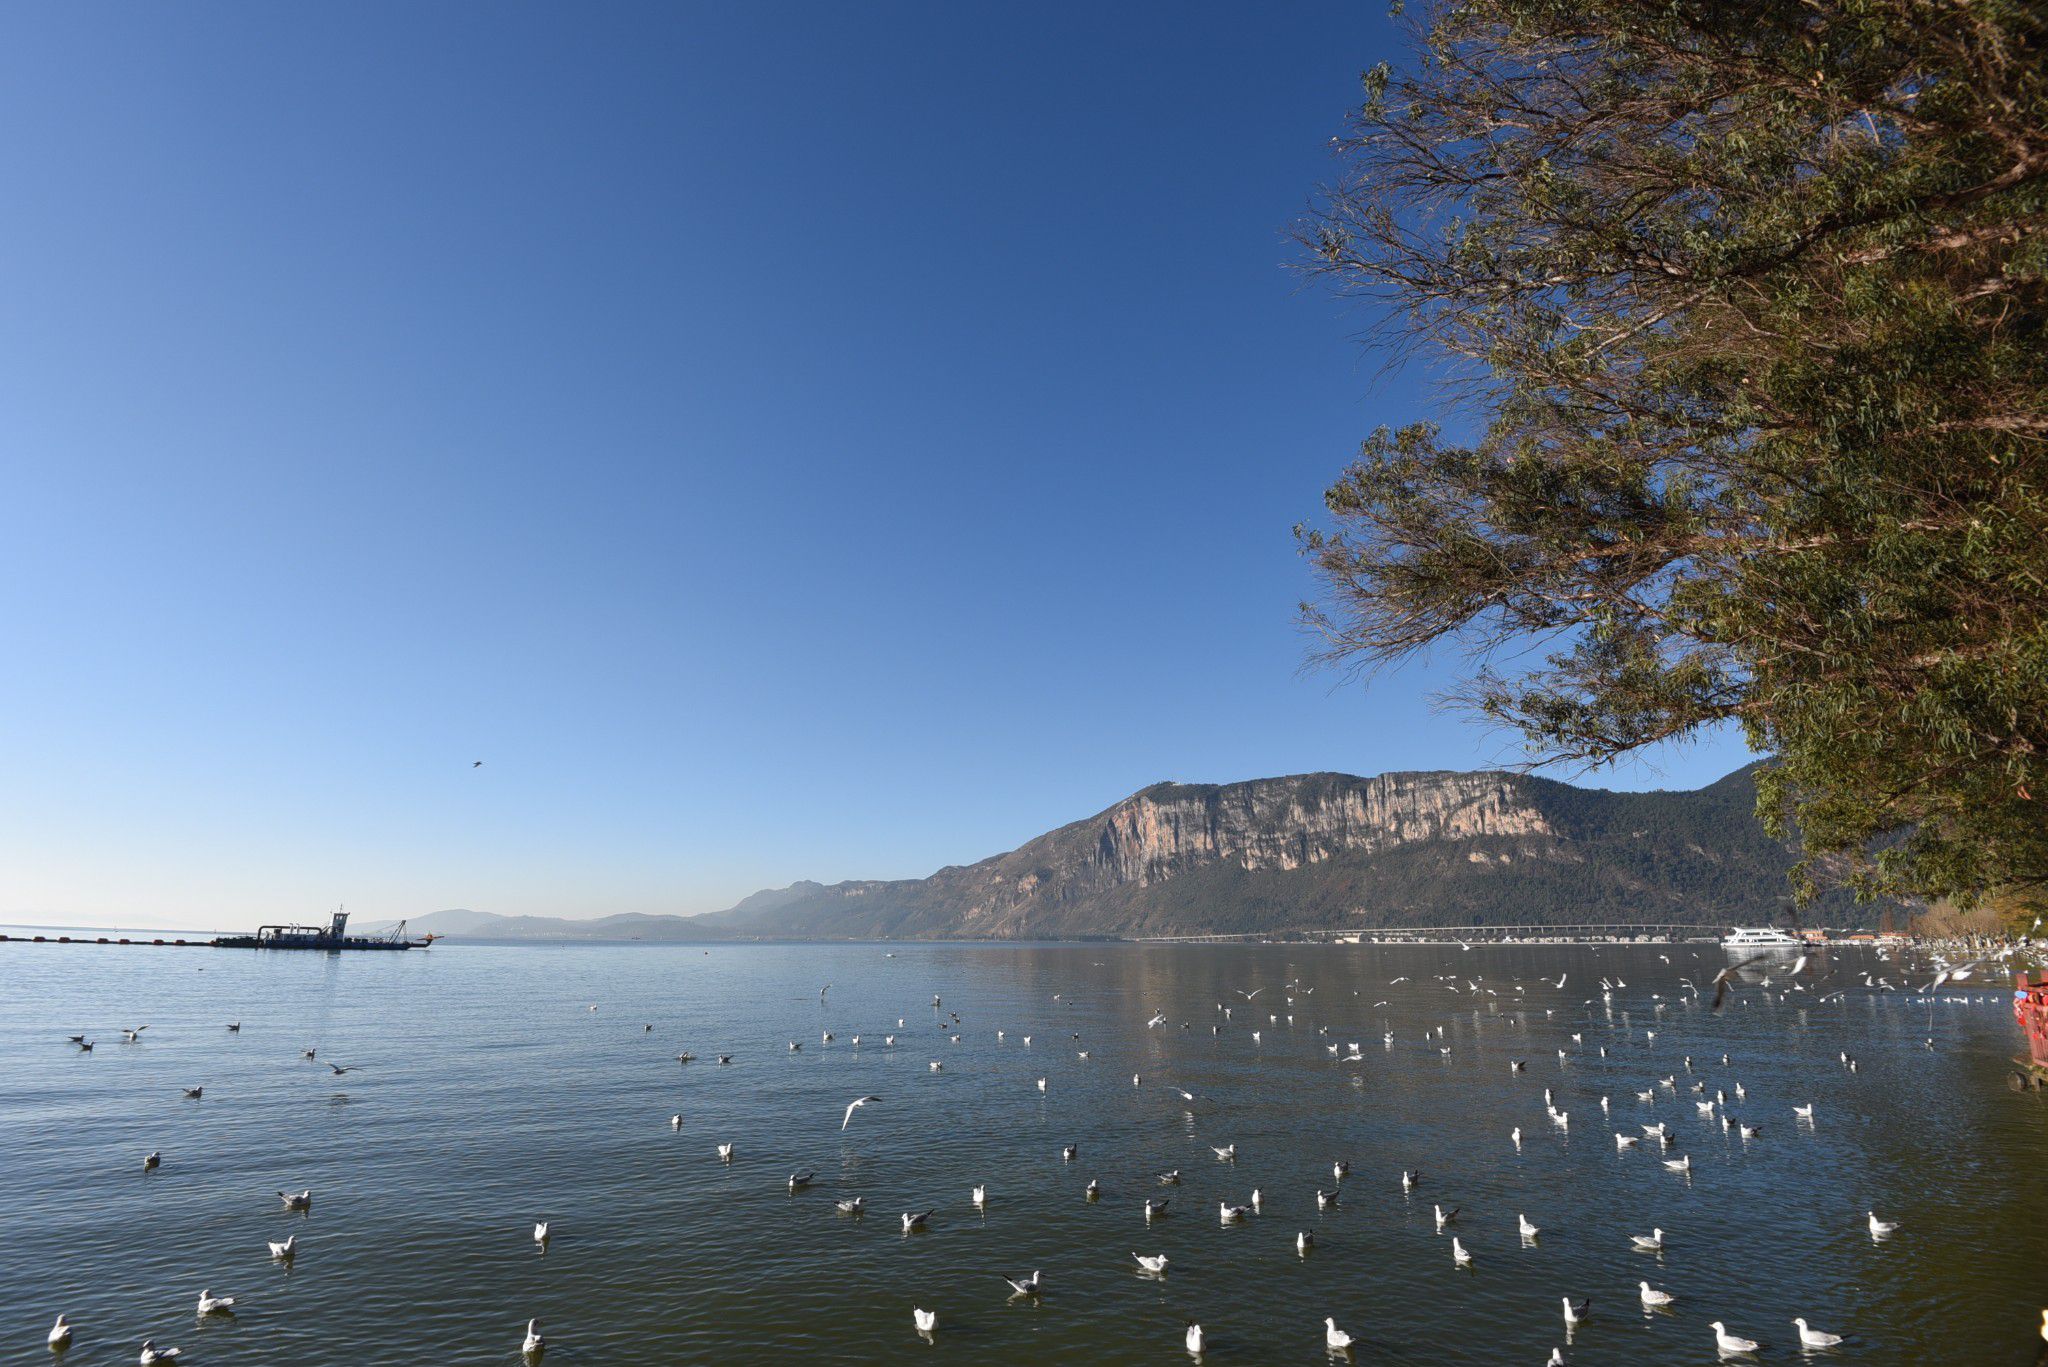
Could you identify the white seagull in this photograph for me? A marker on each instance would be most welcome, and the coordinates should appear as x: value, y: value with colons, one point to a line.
x: 1194, y: 1338
x: 533, y: 1344
x: 1333, y: 1337
x: 210, y: 1304
x: 1653, y: 1297
x: 1653, y: 1242
x: 925, y: 1320
x: 60, y: 1333
x: 1814, y: 1338
x: 853, y: 1106
x: 297, y: 1201
x: 1732, y: 1343
x: 1880, y: 1228
x: 151, y: 1353
x: 1151, y: 1262
x: 285, y: 1251
x: 540, y: 1231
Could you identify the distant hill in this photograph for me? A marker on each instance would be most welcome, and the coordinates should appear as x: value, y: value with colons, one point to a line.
x: 1334, y: 850
x: 491, y: 926
x: 1311, y: 851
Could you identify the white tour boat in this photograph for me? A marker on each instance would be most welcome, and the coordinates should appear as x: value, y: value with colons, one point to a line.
x: 1761, y: 937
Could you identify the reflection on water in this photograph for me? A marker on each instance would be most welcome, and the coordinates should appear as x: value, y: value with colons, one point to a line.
x: 487, y: 1095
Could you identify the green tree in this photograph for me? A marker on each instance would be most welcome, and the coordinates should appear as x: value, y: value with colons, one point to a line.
x: 1746, y: 298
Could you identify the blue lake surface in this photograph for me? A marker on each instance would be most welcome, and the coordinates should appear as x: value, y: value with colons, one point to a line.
x: 487, y: 1094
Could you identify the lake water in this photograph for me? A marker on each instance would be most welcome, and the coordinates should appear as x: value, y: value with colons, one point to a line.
x: 488, y: 1095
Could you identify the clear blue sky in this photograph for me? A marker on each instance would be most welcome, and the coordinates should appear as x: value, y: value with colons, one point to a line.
x: 780, y: 440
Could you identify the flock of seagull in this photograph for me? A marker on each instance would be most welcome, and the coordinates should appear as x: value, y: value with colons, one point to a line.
x: 1712, y: 1103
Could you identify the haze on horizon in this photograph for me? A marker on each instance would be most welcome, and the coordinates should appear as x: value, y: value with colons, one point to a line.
x: 806, y: 443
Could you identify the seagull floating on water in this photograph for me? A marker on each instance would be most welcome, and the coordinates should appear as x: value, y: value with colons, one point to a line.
x: 210, y: 1304
x: 1880, y: 1228
x: 540, y: 1231
x: 852, y: 1205
x: 1815, y: 1338
x: 533, y: 1345
x: 911, y: 1222
x: 1151, y: 1262
x: 1653, y: 1297
x: 285, y: 1251
x: 1026, y: 1286
x: 1333, y: 1337
x: 151, y: 1353
x: 1194, y: 1338
x: 1732, y: 1343
x: 925, y: 1320
x: 1652, y: 1242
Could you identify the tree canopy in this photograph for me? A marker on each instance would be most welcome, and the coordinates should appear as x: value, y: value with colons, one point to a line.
x: 1747, y: 298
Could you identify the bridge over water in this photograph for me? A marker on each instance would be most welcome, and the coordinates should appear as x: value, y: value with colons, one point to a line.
x: 1472, y: 935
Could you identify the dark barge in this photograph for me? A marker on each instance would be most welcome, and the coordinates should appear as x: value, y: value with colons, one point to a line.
x: 333, y: 936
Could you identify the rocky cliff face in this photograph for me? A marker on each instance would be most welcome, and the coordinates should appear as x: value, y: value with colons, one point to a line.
x: 1323, y: 850
x: 1276, y: 825
x: 1289, y: 823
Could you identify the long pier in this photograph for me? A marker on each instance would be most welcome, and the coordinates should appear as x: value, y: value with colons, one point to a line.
x: 1618, y: 931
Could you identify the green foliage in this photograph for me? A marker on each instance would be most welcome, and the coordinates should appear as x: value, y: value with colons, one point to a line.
x: 1750, y: 294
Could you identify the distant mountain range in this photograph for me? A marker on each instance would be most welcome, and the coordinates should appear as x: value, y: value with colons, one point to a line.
x: 1305, y: 852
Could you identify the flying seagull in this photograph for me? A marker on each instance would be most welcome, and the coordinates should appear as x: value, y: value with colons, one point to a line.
x: 854, y: 1106
x: 1727, y: 975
